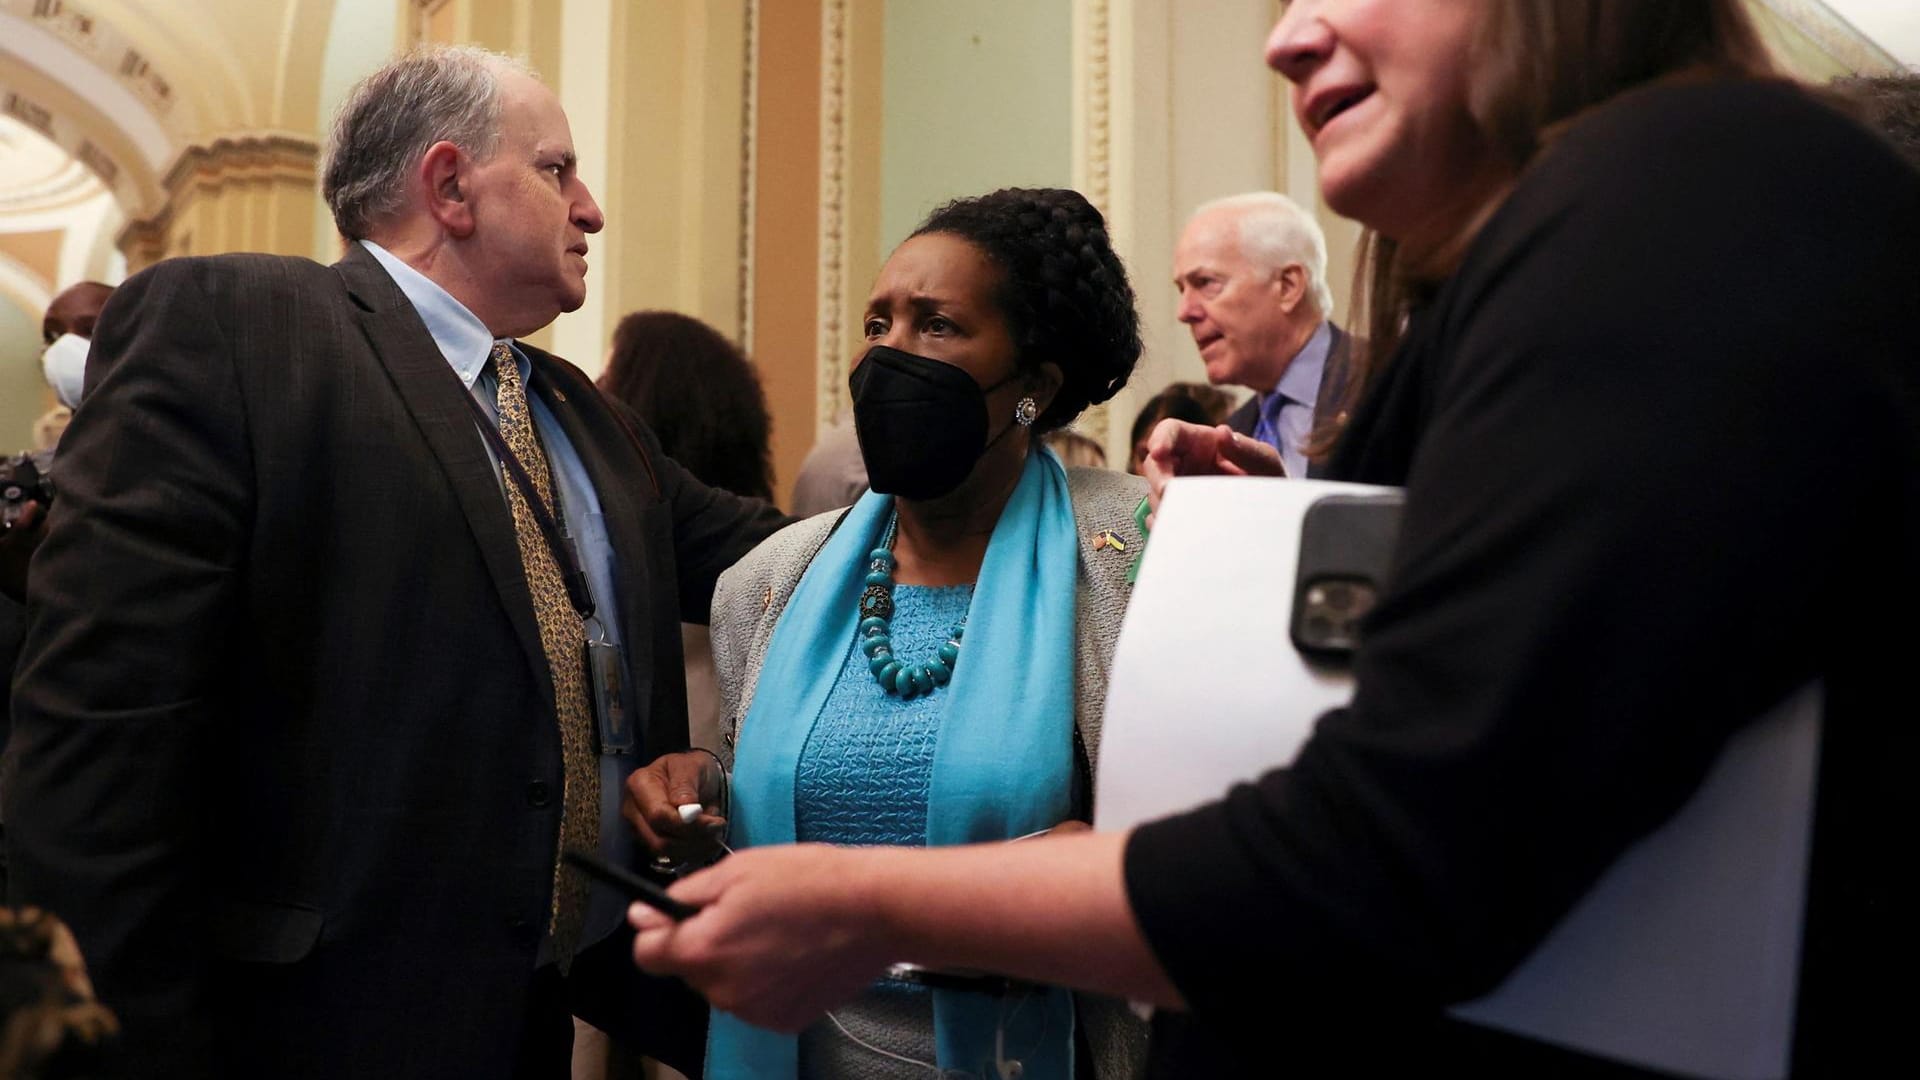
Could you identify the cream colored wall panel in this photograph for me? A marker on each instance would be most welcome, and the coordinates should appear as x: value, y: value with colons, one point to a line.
x: 362, y: 35
x: 654, y: 96
x: 977, y: 96
x: 23, y: 391
x: 711, y: 179
x: 588, y: 31
x: 297, y: 75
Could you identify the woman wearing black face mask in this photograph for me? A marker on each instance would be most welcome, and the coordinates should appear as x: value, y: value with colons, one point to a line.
x: 929, y: 667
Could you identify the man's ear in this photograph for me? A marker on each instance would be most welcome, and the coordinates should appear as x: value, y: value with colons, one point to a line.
x: 443, y: 172
x: 1292, y: 283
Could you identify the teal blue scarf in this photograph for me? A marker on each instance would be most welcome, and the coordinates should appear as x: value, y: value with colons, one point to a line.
x: 1002, y: 766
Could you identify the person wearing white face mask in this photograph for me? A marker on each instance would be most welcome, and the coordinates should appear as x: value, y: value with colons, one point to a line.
x: 66, y: 328
x: 66, y: 332
x: 64, y: 362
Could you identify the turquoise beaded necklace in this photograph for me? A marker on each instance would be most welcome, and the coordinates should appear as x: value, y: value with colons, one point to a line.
x: 876, y: 631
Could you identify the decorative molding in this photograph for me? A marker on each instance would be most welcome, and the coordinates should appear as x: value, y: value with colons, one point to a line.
x: 831, y: 363
x: 1097, y: 85
x: 1835, y: 36
x: 242, y: 157
x: 1095, y: 142
x: 144, y: 241
x: 209, y: 170
x: 749, y: 167
x: 103, y: 44
x: 69, y: 137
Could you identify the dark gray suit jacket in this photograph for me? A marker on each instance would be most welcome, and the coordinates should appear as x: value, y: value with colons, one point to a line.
x: 1333, y: 384
x: 287, y: 756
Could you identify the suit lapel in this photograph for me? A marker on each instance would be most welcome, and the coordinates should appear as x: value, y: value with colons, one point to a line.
x: 1333, y: 384
x: 438, y: 403
x: 608, y: 456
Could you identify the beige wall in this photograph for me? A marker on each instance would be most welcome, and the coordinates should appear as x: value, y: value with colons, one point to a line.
x: 976, y: 95
x: 23, y: 392
x: 674, y: 150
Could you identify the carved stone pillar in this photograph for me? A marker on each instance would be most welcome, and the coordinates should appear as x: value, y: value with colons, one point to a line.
x: 241, y: 193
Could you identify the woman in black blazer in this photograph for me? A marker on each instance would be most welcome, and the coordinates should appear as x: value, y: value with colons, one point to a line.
x: 1644, y: 355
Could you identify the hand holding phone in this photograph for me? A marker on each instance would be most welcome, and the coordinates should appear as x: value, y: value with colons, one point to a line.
x: 629, y: 884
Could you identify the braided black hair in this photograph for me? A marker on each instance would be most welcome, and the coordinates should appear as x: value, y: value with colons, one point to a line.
x: 1065, y: 294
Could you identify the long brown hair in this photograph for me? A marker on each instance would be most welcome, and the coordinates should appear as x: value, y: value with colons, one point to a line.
x: 1539, y: 64
x: 700, y: 395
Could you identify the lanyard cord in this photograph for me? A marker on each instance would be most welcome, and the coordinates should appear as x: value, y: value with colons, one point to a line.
x: 570, y: 571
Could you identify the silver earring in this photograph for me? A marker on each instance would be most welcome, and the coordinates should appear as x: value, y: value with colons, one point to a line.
x: 1024, y: 411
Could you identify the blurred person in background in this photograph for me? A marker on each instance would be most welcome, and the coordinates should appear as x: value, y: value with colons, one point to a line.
x: 1076, y: 450
x: 65, y: 333
x: 1173, y: 403
x: 1252, y: 274
x: 702, y: 397
x: 833, y: 474
x: 51, y: 1028
x: 699, y: 393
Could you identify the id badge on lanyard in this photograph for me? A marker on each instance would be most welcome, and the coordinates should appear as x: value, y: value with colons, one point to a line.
x: 614, y: 723
x: 605, y: 668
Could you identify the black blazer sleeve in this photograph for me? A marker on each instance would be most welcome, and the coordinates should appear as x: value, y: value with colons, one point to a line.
x: 1648, y: 433
x: 712, y: 527
x: 134, y: 597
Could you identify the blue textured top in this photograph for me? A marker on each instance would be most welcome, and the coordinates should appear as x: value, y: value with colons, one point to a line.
x: 864, y: 775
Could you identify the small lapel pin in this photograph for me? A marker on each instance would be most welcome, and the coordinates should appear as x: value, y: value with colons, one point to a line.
x: 559, y: 395
x: 1106, y: 539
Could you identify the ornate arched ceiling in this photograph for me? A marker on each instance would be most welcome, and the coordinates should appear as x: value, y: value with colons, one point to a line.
x: 129, y: 86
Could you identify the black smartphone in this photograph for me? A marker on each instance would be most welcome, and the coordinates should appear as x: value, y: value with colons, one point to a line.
x: 1346, y: 547
x: 973, y: 982
x: 629, y: 884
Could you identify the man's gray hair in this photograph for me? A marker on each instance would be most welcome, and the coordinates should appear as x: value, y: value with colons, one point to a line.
x: 393, y: 116
x: 1275, y: 231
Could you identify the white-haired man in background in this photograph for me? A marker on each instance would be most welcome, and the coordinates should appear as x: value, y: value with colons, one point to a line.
x: 1252, y: 275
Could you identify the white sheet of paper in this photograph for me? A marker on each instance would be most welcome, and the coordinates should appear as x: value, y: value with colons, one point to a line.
x: 1684, y: 957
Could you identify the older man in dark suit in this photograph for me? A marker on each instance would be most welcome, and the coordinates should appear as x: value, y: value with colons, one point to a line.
x: 356, y: 611
x: 1252, y: 275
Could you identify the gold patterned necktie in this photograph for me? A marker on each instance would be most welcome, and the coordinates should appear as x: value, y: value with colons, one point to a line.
x: 563, y: 638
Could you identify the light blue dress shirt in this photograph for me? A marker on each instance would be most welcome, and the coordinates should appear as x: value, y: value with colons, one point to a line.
x: 467, y: 344
x: 1286, y: 413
